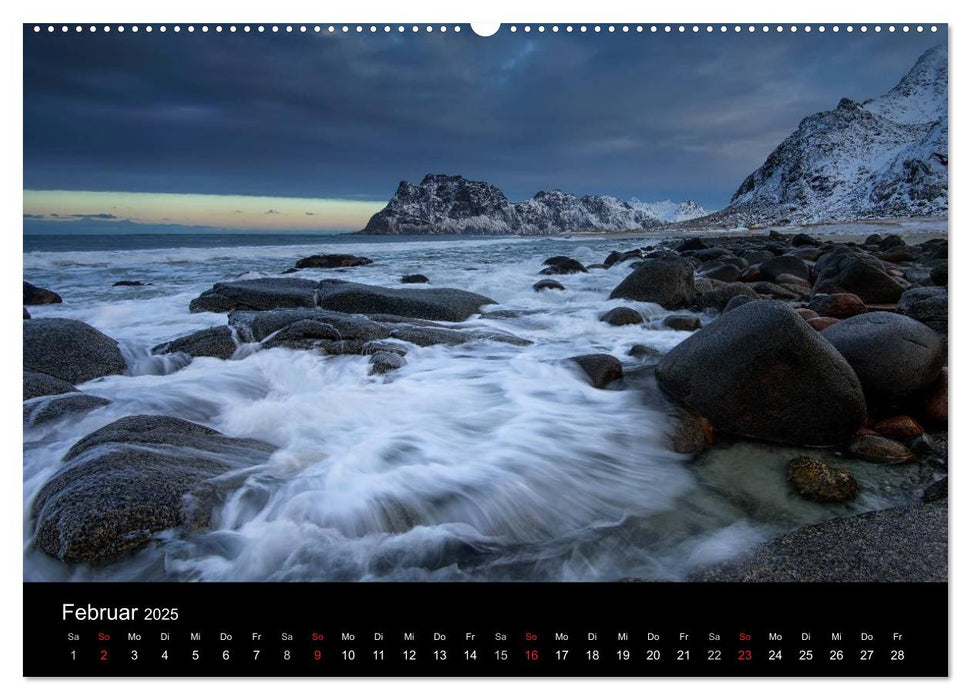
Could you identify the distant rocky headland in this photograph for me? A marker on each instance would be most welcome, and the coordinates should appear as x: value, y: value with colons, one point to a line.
x: 445, y: 204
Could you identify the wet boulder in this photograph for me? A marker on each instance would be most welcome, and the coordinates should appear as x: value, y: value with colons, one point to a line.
x: 622, y: 316
x: 644, y: 353
x: 784, y: 265
x: 665, y: 281
x: 821, y: 323
x: 35, y: 296
x: 682, y: 322
x: 891, y: 241
x: 562, y: 265
x: 69, y: 350
x: 718, y: 270
x: 894, y: 356
x: 737, y: 301
x: 435, y: 304
x: 257, y: 295
x: 601, y: 369
x: 760, y: 371
x: 48, y: 409
x: 810, y: 253
x: 259, y: 326
x: 718, y: 297
x: 40, y: 384
x: 927, y: 305
x: 804, y: 239
x: 692, y: 434
x: 776, y: 291
x: 616, y: 257
x: 332, y: 260
x: 841, y: 305
x: 384, y: 362
x: 849, y: 270
x: 132, y: 479
x: 414, y: 279
x: 210, y: 342
x: 544, y: 285
x: 691, y: 244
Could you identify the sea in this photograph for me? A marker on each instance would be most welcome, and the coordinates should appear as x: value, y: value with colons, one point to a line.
x: 478, y: 462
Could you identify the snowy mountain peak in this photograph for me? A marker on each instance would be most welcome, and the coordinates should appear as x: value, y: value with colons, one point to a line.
x: 920, y: 96
x: 452, y: 204
x: 885, y: 157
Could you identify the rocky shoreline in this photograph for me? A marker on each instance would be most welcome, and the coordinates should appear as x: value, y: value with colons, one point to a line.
x: 789, y: 340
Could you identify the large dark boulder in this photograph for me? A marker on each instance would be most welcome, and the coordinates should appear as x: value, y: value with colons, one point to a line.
x: 332, y: 260
x: 562, y: 265
x: 893, y: 355
x: 258, y: 326
x: 848, y: 270
x: 927, y: 305
x: 618, y: 257
x: 718, y: 270
x: 622, y: 316
x: 383, y: 362
x: 69, y: 350
x: 665, y: 281
x: 718, y: 297
x: 257, y: 295
x: 841, y: 305
x: 891, y: 241
x: 760, y: 371
x: 804, y: 239
x: 133, y: 478
x: 437, y: 304
x: 35, y: 296
x: 210, y: 342
x: 338, y: 333
x: 40, y: 384
x: 548, y: 284
x: 784, y: 265
x: 601, y: 369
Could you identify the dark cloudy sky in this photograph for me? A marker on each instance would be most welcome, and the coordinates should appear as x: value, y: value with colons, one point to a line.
x: 341, y: 117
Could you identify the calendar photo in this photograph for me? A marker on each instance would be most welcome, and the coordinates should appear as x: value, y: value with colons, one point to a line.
x: 407, y: 304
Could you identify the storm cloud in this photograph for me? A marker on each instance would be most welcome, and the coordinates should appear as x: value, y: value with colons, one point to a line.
x: 348, y: 116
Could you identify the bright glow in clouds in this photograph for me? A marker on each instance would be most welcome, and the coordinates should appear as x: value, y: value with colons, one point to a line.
x: 221, y: 211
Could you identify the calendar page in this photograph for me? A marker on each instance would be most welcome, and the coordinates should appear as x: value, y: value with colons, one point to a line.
x: 512, y: 350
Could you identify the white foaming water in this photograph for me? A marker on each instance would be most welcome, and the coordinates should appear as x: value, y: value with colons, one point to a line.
x: 479, y: 462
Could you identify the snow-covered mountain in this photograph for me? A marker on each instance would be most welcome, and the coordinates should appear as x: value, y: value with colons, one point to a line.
x: 884, y: 157
x: 669, y: 211
x: 452, y: 204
